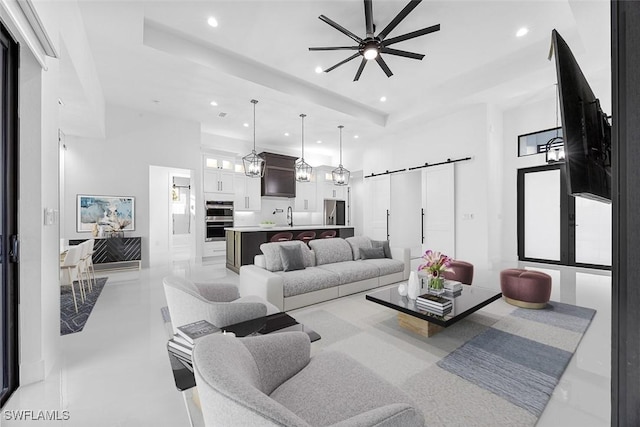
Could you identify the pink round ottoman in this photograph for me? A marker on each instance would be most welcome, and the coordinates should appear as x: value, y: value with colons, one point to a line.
x: 462, y: 272
x: 525, y: 288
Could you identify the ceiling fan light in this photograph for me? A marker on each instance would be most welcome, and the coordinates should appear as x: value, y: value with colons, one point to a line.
x: 370, y: 52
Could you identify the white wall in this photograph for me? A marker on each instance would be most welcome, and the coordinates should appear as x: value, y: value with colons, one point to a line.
x: 119, y: 164
x: 39, y: 314
x: 461, y: 134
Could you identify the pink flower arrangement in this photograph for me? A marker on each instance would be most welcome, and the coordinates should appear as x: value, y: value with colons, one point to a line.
x: 435, y: 264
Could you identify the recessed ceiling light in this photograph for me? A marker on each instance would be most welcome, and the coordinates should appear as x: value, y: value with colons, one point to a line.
x: 522, y: 32
x: 383, y: 98
x: 245, y: 125
x: 318, y: 69
x: 356, y: 136
x: 214, y: 104
x: 286, y: 134
x: 319, y: 142
x: 212, y: 21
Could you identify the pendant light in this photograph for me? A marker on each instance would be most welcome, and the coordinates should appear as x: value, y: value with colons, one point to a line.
x: 340, y: 175
x: 303, y: 169
x: 253, y: 164
x: 555, y: 146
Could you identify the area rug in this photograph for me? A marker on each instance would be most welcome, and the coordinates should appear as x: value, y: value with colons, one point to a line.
x: 498, y: 367
x: 518, y: 363
x: 70, y: 321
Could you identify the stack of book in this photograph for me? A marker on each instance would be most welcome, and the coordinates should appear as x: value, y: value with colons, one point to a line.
x: 181, y: 345
x: 434, y: 304
x: 452, y: 288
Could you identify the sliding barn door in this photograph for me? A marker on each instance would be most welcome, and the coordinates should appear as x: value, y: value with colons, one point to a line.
x: 377, y: 206
x: 438, y: 200
x: 405, y: 214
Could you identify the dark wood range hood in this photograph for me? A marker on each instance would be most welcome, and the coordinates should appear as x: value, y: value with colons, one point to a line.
x: 279, y: 178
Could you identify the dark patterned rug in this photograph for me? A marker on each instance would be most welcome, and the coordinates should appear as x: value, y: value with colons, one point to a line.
x: 70, y: 321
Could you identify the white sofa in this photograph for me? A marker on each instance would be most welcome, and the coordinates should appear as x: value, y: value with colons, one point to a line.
x: 332, y: 268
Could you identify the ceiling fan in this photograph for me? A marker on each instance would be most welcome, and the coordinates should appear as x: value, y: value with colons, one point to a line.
x: 372, y: 46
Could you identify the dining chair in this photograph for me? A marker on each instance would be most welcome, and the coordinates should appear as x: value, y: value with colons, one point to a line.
x: 88, y: 262
x: 71, y: 272
x: 82, y: 266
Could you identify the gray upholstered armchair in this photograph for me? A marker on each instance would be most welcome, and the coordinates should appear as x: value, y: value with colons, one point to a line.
x: 218, y: 303
x: 271, y: 380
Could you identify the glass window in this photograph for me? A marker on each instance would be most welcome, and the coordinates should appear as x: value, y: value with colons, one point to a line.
x: 534, y: 143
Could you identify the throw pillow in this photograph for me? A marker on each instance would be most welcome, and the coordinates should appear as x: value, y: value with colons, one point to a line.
x: 372, y: 253
x: 292, y: 258
x: 384, y: 244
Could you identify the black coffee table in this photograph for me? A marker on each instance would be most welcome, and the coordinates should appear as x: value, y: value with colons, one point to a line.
x: 425, y: 323
x: 279, y: 322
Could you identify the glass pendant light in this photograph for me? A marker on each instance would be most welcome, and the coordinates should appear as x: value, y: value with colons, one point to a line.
x: 340, y: 175
x: 303, y: 169
x: 253, y: 164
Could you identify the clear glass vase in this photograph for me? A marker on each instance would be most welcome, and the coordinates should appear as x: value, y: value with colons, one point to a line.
x: 436, y: 284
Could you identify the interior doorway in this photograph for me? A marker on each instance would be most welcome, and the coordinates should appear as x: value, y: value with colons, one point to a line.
x: 171, y: 215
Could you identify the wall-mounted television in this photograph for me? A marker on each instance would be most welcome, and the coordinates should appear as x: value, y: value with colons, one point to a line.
x: 585, y: 128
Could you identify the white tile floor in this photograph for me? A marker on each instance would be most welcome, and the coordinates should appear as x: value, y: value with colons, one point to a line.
x: 116, y: 371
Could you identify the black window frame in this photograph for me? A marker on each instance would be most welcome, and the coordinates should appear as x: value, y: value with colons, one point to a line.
x: 9, y: 285
x: 567, y: 220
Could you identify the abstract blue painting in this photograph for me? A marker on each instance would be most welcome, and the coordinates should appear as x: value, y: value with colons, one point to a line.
x: 111, y: 213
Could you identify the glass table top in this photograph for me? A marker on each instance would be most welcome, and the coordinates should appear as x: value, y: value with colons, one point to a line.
x: 472, y: 298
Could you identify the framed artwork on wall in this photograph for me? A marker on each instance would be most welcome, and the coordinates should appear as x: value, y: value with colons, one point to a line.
x: 100, y: 214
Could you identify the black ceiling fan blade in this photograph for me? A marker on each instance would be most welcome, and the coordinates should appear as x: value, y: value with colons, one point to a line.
x: 360, y: 68
x: 368, y: 17
x: 411, y: 35
x: 354, y: 56
x: 399, y: 17
x: 335, y: 48
x: 384, y: 66
x: 340, y: 28
x: 402, y: 53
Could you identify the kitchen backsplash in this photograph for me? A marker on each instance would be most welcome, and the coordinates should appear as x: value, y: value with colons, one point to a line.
x: 278, y: 205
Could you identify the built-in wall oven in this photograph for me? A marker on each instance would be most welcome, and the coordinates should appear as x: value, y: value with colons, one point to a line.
x: 218, y: 216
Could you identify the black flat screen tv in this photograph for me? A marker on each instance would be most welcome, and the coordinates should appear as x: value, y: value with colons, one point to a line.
x: 585, y: 128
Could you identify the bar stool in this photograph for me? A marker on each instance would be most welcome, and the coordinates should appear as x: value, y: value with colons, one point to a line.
x: 327, y: 234
x: 305, y: 236
x: 281, y: 237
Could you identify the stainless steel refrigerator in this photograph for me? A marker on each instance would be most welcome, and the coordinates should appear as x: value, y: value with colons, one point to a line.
x: 334, y: 212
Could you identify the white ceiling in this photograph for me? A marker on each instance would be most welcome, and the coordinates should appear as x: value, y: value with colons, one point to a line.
x: 162, y: 56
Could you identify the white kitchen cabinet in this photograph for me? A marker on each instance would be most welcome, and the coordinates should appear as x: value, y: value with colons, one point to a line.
x: 331, y: 191
x: 247, y: 193
x: 218, y: 174
x: 218, y: 181
x: 306, y: 197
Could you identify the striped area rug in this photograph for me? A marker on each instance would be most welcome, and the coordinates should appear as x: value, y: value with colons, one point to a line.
x: 518, y: 361
x: 70, y: 321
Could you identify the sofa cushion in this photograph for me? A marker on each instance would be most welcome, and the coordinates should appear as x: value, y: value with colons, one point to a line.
x: 384, y: 244
x: 352, y: 271
x: 329, y: 251
x: 357, y: 242
x: 373, y: 253
x: 308, y: 280
x: 385, y: 265
x: 273, y: 259
x: 336, y: 381
x: 292, y: 258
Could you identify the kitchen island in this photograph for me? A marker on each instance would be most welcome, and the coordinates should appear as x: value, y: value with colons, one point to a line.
x: 243, y: 243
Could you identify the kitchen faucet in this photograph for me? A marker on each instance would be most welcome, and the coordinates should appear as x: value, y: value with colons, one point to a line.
x: 289, y: 216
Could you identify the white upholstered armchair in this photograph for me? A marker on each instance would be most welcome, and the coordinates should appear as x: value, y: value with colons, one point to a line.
x: 218, y: 303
